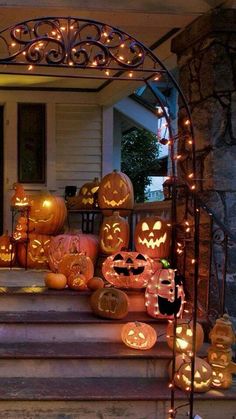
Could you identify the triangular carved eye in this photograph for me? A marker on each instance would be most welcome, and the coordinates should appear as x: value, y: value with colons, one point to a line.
x: 118, y: 257
x: 157, y: 225
x: 140, y: 257
x: 145, y: 226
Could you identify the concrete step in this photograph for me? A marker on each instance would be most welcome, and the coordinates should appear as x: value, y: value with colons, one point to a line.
x: 68, y: 327
x: 110, y: 398
x: 80, y: 359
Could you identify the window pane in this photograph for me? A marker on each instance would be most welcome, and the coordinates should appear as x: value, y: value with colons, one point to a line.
x: 31, y: 143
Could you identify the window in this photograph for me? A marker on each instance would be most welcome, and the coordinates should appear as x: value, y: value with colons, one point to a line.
x: 31, y: 143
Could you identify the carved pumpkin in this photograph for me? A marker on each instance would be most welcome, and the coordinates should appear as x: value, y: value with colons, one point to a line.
x: 65, y: 244
x: 109, y: 303
x: 202, y: 374
x: 114, y: 234
x: 37, y: 251
x: 77, y: 282
x: 19, y: 199
x: 127, y: 269
x: 20, y: 232
x: 115, y: 192
x: 219, y: 358
x: 55, y: 281
x: 75, y: 264
x: 164, y: 295
x: 47, y: 214
x: 87, y: 197
x: 7, y: 252
x: 222, y: 335
x: 184, y: 335
x: 221, y: 377
x: 152, y: 237
x: 95, y: 283
x: 138, y: 335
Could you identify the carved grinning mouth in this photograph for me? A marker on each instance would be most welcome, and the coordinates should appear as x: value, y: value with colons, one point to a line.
x: 113, y: 247
x: 87, y: 201
x: 152, y: 243
x: 6, y: 257
x: 128, y: 271
x: 168, y: 307
x: 196, y: 385
x: 114, y: 203
x: 45, y: 220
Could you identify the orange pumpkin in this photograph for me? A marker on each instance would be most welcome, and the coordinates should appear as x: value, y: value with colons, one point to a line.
x: 75, y: 264
x: 109, y: 303
x: 19, y: 199
x: 202, y: 374
x: 115, y: 192
x: 47, y: 214
x: 77, y: 282
x: 37, y: 251
x: 55, y: 281
x: 138, y: 335
x: 87, y: 197
x: 184, y: 336
x: 65, y: 244
x: 7, y: 252
x: 114, y: 234
x: 153, y: 237
x: 95, y: 283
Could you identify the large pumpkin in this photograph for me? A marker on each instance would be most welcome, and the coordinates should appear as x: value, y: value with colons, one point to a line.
x: 115, y: 192
x: 37, y: 257
x: 7, y: 252
x: 184, y: 336
x: 47, y: 214
x: 65, y: 244
x: 74, y: 264
x: 127, y: 269
x: 109, y: 303
x: 202, y: 374
x: 114, y: 234
x: 164, y: 295
x: 138, y: 335
x: 152, y: 237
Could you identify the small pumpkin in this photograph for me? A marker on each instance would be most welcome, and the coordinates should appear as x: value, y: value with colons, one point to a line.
x: 77, y: 282
x: 222, y: 334
x: 95, y: 283
x: 221, y: 377
x: 153, y: 237
x: 109, y: 303
x: 87, y: 197
x: 37, y: 257
x: 184, y: 336
x: 55, y: 281
x: 116, y: 192
x: 75, y: 264
x: 19, y: 199
x: 7, y: 252
x: 138, y: 335
x: 114, y: 234
x: 202, y: 374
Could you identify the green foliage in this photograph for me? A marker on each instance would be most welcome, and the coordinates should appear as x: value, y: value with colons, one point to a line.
x: 139, y: 153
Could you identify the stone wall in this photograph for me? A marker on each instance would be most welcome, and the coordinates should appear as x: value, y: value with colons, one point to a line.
x: 206, y: 52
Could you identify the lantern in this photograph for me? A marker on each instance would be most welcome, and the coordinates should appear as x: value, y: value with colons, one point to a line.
x: 109, y: 303
x: 222, y: 335
x: 7, y: 253
x: 152, y: 237
x: 114, y: 234
x: 19, y: 199
x: 55, y: 281
x: 37, y: 257
x: 138, y: 335
x: 164, y: 295
x: 184, y: 336
x: 65, y: 244
x: 202, y: 374
x: 127, y: 269
x: 115, y: 192
x: 75, y: 264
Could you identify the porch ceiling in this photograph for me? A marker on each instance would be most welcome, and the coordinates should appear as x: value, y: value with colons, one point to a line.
x: 152, y: 22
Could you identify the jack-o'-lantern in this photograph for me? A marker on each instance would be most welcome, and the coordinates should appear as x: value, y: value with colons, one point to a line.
x: 202, y: 374
x: 7, y: 252
x: 75, y: 264
x: 222, y: 335
x: 36, y: 252
x: 184, y: 336
x: 109, y: 303
x: 115, y: 192
x: 153, y: 237
x: 47, y: 214
x: 219, y: 357
x: 19, y: 199
x: 164, y: 295
x: 114, y: 234
x: 127, y: 269
x: 55, y: 281
x: 65, y: 244
x: 88, y: 194
x: 138, y: 335
x: 221, y: 377
x: 77, y: 282
x: 20, y: 232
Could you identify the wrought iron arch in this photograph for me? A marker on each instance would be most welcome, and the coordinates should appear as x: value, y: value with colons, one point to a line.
x: 82, y: 48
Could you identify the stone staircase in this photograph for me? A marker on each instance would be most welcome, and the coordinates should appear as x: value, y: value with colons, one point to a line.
x: 58, y: 361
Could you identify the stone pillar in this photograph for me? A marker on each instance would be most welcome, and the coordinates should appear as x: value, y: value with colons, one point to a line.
x: 206, y: 52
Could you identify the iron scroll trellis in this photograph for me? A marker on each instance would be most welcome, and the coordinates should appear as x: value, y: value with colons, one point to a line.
x: 95, y: 50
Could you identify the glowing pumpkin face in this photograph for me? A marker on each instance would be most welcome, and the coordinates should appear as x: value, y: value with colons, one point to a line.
x: 222, y: 335
x: 88, y: 195
x: 7, y: 254
x: 127, y: 269
x: 37, y: 255
x: 184, y: 336
x: 164, y: 295
x: 19, y: 199
x: 202, y: 374
x: 152, y: 237
x: 109, y: 303
x: 221, y: 377
x: 116, y: 192
x: 219, y: 358
x: 114, y: 234
x: 138, y: 335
